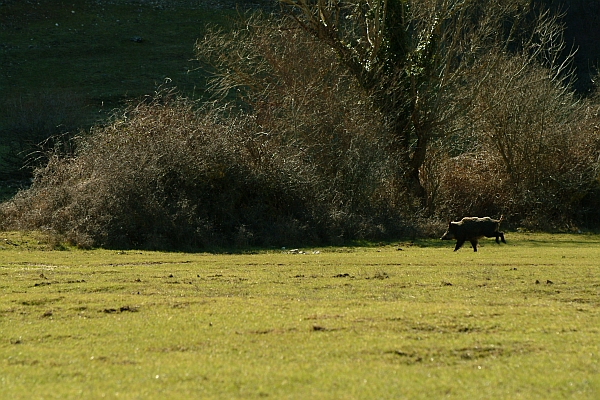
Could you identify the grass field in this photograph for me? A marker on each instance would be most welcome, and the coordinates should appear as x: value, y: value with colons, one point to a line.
x: 512, y: 321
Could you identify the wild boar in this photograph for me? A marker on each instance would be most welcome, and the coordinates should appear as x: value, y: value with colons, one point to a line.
x: 473, y: 229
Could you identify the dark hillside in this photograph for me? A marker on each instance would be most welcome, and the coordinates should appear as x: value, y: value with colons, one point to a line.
x: 65, y: 65
x: 104, y: 51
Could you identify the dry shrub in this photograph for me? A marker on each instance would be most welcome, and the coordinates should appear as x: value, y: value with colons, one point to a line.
x: 165, y: 175
x: 299, y: 92
x: 298, y: 160
x: 472, y: 184
x: 541, y: 132
x: 533, y: 153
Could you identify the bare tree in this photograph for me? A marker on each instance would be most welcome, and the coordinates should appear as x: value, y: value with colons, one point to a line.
x: 413, y: 56
x: 298, y: 93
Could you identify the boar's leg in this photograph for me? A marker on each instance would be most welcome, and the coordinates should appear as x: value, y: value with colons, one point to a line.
x: 459, y: 243
x: 474, y: 244
x: 498, y: 235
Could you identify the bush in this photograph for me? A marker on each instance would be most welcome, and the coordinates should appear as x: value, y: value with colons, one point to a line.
x: 159, y: 175
x: 533, y: 152
x: 168, y: 175
x: 298, y: 159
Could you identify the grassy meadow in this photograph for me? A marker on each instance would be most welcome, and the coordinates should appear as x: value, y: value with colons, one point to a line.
x: 401, y: 320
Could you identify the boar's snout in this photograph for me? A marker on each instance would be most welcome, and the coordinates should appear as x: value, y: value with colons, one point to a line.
x: 448, y: 236
x: 450, y: 232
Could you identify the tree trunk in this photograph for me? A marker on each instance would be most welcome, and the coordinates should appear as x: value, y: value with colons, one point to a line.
x: 416, y: 161
x: 412, y: 156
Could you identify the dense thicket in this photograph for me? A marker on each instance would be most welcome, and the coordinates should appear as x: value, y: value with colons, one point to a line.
x: 300, y: 149
x: 305, y: 165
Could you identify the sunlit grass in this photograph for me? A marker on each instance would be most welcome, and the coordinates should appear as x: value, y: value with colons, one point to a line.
x: 511, y: 321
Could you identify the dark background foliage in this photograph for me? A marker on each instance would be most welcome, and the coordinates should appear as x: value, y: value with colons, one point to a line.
x: 280, y: 144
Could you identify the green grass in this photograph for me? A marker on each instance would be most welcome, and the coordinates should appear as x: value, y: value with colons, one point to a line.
x: 511, y: 321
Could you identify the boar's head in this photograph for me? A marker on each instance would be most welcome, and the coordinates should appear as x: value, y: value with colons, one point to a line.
x: 451, y: 231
